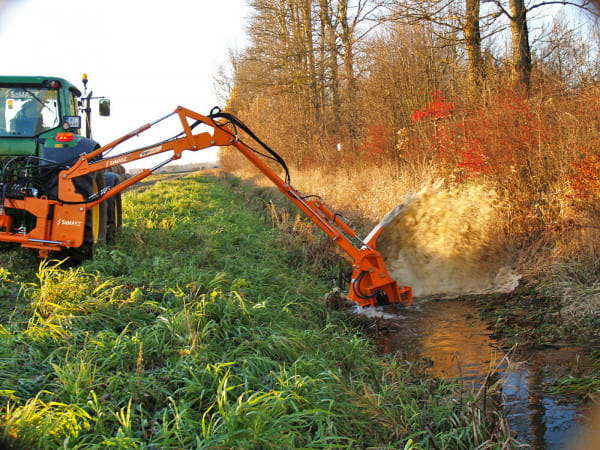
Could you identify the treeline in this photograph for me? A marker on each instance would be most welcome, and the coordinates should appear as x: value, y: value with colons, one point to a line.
x: 319, y: 73
x: 431, y: 89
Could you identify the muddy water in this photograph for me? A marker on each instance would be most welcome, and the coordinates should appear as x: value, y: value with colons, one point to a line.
x: 448, y: 241
x: 456, y: 343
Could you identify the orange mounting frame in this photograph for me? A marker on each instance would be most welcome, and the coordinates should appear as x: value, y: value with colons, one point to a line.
x: 61, y: 223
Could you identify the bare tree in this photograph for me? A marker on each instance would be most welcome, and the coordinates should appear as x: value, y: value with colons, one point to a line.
x: 565, y: 57
x: 329, y: 57
x: 517, y: 13
x: 472, y: 34
x: 521, y: 51
x: 404, y: 67
x: 457, y: 23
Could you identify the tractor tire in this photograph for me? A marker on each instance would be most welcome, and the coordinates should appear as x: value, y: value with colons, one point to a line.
x: 95, y: 219
x: 114, y: 208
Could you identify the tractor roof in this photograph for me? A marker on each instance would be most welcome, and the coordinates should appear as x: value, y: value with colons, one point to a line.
x: 39, y: 80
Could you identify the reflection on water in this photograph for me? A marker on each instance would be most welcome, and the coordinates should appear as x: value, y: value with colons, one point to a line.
x: 540, y: 420
x: 456, y: 342
x: 452, y: 337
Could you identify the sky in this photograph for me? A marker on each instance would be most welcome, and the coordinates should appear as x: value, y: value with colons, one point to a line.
x: 146, y: 56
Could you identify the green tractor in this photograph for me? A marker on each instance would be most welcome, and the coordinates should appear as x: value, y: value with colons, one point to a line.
x: 40, y: 135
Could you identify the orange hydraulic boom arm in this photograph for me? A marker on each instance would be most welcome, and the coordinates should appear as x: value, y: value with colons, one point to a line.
x: 371, y: 284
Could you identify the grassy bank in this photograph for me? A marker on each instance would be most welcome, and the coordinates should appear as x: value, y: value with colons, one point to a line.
x: 195, y: 331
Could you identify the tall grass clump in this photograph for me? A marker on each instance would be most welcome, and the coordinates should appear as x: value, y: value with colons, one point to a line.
x: 195, y: 331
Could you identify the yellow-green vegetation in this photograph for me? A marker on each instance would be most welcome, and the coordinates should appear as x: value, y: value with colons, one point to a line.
x: 195, y: 331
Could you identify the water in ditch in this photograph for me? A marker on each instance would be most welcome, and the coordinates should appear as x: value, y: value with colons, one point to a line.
x: 449, y: 241
x: 452, y: 339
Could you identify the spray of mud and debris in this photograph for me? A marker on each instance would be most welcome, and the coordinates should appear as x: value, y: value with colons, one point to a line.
x: 448, y: 242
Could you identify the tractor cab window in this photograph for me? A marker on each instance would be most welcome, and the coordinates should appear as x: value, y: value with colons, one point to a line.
x: 74, y: 105
x: 27, y: 111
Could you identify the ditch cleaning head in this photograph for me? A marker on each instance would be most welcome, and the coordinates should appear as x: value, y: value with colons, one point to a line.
x: 371, y: 283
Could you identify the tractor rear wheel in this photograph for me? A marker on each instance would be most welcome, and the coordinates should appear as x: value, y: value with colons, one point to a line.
x: 114, y: 208
x: 95, y: 218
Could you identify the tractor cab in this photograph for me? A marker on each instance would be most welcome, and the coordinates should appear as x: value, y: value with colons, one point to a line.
x: 32, y: 106
x: 40, y: 117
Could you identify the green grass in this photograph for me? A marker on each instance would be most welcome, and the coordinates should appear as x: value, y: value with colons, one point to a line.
x: 195, y: 331
x: 585, y: 385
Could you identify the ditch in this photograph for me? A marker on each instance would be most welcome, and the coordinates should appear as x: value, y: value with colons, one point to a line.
x: 454, y: 342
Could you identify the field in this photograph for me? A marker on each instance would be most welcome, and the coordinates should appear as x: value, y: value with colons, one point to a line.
x: 202, y: 327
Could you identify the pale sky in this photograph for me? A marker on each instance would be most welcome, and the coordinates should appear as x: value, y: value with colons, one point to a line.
x: 147, y: 56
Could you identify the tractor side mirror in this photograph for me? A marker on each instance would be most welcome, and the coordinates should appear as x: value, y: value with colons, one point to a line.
x: 104, y: 107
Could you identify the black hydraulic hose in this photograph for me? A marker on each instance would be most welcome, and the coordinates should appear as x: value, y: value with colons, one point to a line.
x: 274, y: 156
x: 358, y: 291
x: 216, y: 113
x: 4, y: 174
x: 52, y: 166
x: 4, y: 186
